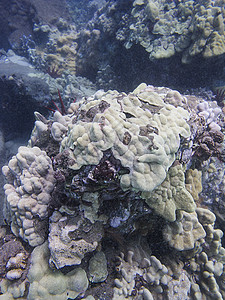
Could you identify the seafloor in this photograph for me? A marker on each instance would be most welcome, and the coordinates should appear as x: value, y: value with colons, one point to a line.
x: 112, y: 121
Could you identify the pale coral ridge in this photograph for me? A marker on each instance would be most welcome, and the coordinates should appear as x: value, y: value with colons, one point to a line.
x: 144, y: 141
x: 30, y: 181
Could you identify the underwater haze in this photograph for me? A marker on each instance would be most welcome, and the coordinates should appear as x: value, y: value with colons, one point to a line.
x: 112, y: 151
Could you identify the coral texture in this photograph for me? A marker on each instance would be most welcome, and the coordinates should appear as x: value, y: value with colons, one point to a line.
x: 153, y: 272
x: 171, y: 195
x: 46, y: 283
x: 183, y: 234
x: 166, y: 28
x: 30, y: 181
x: 193, y: 182
x: 70, y: 238
x: 144, y: 141
x: 107, y: 200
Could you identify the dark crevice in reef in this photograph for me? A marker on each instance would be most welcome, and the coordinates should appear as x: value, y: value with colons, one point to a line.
x: 21, y: 95
x: 16, y: 113
x: 16, y: 110
x: 131, y: 67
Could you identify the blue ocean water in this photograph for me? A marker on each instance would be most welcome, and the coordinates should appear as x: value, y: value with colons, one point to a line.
x: 112, y: 149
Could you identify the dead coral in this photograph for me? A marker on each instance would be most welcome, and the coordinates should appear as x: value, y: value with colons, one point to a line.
x: 13, y: 258
x: 209, y: 144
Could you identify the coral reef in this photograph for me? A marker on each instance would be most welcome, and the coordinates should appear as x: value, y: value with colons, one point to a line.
x: 171, y: 195
x: 63, y: 51
x: 167, y: 28
x: 183, y: 233
x: 30, y: 182
x: 123, y: 38
x: 52, y: 49
x: 44, y: 282
x: 154, y: 274
x: 117, y: 194
x: 112, y: 120
x: 103, y: 198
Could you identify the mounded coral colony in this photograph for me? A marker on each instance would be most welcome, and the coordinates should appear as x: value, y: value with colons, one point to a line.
x: 103, y: 193
x: 165, y: 28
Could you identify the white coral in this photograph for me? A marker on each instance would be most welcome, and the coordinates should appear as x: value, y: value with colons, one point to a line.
x: 31, y: 180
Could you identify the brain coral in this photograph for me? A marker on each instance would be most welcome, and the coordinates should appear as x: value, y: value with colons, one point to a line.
x: 142, y: 131
x: 30, y: 179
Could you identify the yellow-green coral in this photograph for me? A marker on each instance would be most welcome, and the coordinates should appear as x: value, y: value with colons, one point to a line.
x: 44, y: 283
x: 208, y: 264
x: 142, y: 131
x: 171, y: 195
x: 183, y: 233
x: 189, y: 27
x: 193, y: 182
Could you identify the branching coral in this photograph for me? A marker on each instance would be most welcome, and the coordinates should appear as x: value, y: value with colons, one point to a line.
x: 182, y: 234
x: 153, y: 274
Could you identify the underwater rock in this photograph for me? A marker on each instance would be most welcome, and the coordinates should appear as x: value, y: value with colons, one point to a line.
x: 70, y: 238
x: 18, y: 18
x: 22, y: 92
x: 98, y: 268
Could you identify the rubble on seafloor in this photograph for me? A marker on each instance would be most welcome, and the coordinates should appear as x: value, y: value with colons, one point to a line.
x: 109, y: 201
